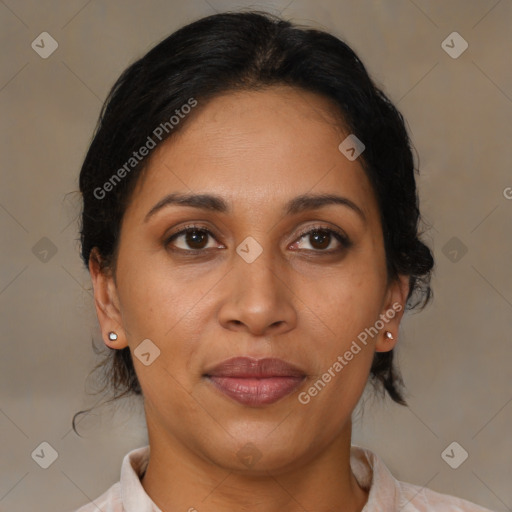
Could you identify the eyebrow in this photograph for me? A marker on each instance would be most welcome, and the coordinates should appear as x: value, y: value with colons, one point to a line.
x: 216, y: 203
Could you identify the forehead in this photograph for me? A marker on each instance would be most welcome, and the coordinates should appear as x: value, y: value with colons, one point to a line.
x: 257, y: 148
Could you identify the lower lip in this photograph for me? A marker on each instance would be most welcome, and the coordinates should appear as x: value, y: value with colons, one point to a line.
x: 253, y: 391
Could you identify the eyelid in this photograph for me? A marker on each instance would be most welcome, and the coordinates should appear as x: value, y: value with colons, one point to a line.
x: 321, y: 227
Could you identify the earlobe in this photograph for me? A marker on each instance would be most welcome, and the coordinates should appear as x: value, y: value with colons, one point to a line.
x: 106, y: 303
x: 392, y: 314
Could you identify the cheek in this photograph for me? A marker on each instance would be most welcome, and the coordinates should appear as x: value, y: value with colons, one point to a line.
x: 152, y: 295
x: 346, y: 303
x: 344, y: 354
x: 149, y: 304
x: 164, y: 306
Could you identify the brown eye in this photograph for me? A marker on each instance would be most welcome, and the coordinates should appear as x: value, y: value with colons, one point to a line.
x: 320, y: 239
x: 191, y: 239
x: 196, y: 239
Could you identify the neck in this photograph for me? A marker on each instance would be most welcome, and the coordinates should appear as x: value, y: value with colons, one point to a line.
x: 178, y: 479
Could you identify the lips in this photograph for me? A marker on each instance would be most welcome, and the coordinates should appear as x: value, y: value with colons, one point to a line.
x: 255, y: 382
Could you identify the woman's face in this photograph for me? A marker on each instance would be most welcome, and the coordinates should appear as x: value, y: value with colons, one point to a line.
x: 259, y: 286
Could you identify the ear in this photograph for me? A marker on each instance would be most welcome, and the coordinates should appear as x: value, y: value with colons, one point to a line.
x: 391, y: 315
x: 106, y: 302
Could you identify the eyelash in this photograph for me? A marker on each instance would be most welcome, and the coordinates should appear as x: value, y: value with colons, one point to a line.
x: 338, y: 235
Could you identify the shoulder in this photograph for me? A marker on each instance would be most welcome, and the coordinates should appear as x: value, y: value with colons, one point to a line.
x: 421, y: 499
x: 128, y: 493
x: 109, y: 501
x: 385, y: 492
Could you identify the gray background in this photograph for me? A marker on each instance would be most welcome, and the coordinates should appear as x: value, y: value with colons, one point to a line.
x: 455, y: 356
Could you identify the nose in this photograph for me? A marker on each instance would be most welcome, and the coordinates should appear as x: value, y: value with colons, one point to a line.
x: 257, y: 300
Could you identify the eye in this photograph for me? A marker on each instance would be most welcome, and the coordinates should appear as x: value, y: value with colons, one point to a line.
x: 322, y: 239
x: 191, y: 238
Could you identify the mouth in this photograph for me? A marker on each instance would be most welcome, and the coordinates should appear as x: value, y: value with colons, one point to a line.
x: 255, y: 382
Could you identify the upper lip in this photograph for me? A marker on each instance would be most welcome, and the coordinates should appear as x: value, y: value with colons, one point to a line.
x: 247, y: 367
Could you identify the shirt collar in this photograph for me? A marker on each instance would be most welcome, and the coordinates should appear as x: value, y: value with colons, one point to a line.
x: 133, y: 495
x: 373, y: 476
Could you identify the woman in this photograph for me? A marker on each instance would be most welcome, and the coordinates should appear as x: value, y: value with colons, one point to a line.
x: 250, y: 225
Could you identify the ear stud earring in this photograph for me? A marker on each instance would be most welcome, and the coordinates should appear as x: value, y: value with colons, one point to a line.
x: 388, y: 335
x: 112, y: 336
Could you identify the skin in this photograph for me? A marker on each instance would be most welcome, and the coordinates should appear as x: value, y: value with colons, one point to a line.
x: 257, y: 150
